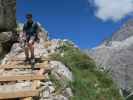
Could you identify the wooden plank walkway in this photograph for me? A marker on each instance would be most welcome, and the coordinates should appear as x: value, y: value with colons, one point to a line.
x: 22, y: 66
x: 21, y: 78
x: 35, y: 78
x: 18, y: 94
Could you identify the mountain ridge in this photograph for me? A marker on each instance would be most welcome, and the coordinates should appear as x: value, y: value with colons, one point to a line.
x: 116, y: 54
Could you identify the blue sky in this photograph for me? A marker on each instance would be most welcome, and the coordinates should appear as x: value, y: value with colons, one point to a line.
x: 71, y: 19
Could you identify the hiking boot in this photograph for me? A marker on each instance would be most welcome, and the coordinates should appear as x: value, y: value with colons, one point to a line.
x: 32, y: 60
x: 27, y: 60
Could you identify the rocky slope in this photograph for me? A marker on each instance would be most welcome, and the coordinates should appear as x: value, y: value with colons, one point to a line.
x: 70, y: 74
x: 55, y: 69
x: 116, y: 55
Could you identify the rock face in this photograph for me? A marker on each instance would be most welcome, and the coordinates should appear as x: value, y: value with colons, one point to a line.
x: 7, y: 25
x: 116, y: 55
x: 7, y: 14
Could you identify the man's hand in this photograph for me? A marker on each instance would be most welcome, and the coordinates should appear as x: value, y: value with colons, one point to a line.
x: 22, y: 36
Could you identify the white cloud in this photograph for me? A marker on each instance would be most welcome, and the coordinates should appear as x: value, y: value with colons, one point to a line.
x: 112, y: 9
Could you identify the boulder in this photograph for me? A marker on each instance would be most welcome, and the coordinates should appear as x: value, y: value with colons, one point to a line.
x: 6, y: 41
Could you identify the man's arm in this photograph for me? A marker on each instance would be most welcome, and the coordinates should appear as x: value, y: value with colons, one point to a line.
x: 38, y: 30
x: 24, y: 29
x: 24, y: 32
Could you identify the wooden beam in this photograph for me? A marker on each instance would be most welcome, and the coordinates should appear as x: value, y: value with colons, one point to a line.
x: 8, y: 66
x: 22, y: 59
x: 27, y: 98
x: 21, y: 77
x: 35, y: 82
x: 18, y: 94
x: 20, y: 66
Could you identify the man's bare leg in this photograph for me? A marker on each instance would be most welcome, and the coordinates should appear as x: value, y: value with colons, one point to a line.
x: 31, y: 46
x: 26, y: 53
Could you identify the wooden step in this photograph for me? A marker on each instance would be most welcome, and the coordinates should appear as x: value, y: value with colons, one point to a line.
x: 7, y: 66
x: 21, y: 77
x: 18, y: 94
x: 34, y: 84
x: 22, y: 59
x: 22, y: 66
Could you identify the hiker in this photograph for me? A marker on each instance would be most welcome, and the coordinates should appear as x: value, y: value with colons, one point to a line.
x: 30, y: 30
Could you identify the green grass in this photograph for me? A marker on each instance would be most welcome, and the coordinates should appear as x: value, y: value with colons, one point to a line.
x: 89, y: 83
x: 57, y: 83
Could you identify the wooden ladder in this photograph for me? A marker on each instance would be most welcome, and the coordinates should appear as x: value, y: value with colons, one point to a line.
x: 35, y: 78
